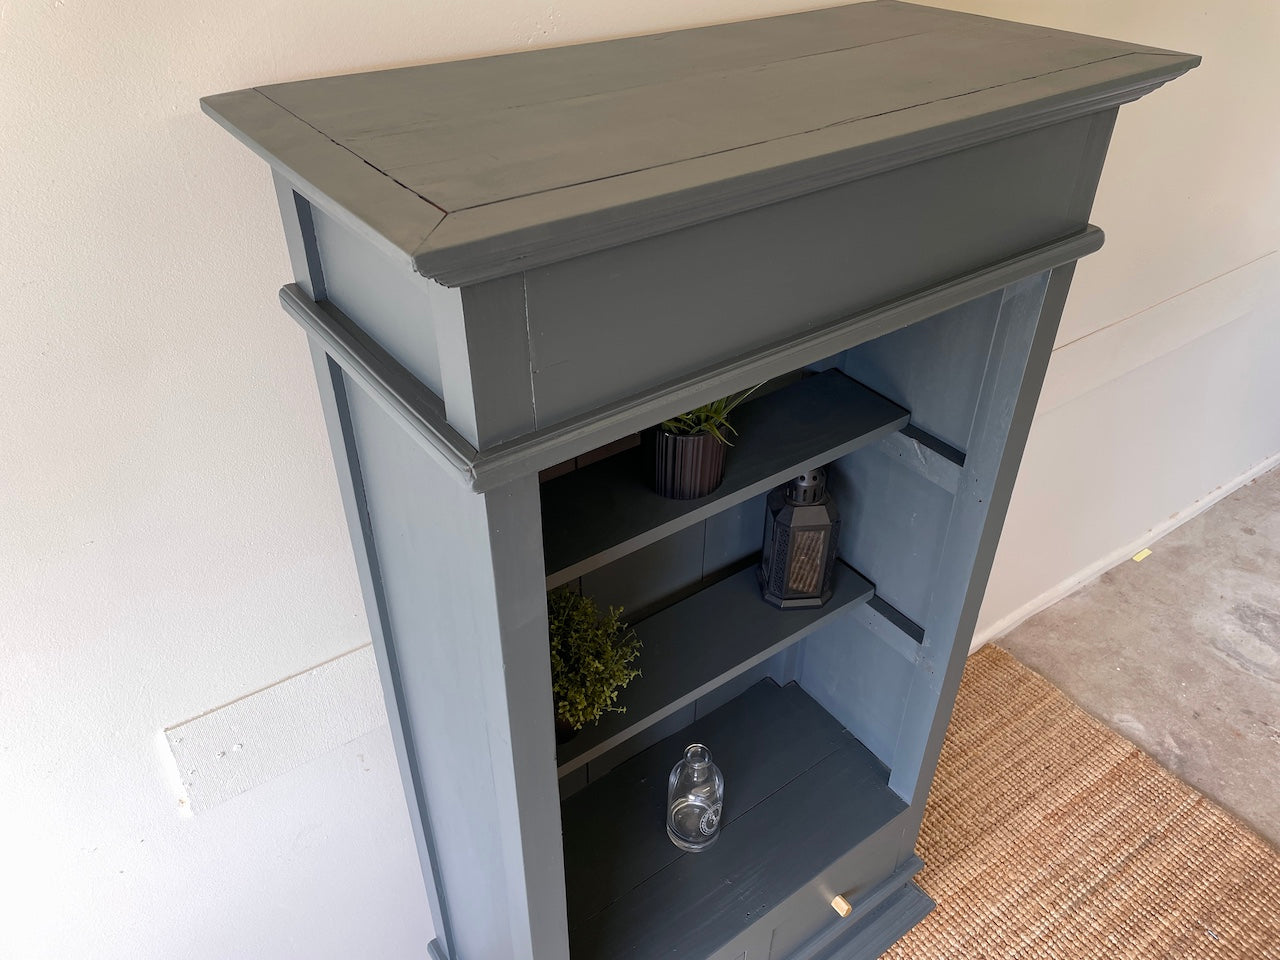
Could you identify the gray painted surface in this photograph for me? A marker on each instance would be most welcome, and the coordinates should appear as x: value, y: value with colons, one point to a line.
x: 916, y: 456
x: 650, y: 578
x: 394, y: 307
x: 702, y: 643
x: 491, y: 389
x: 706, y: 91
x: 475, y: 681
x: 388, y: 216
x: 885, y: 503
x: 422, y: 412
x: 917, y: 176
x: 297, y: 220
x: 938, y: 363
x: 523, y: 157
x: 783, y: 270
x: 835, y: 932
x: 795, y: 786
x: 414, y: 406
x: 332, y: 386
x: 860, y: 679
x: 878, y: 931
x: 605, y: 511
x: 1028, y: 322
x: 380, y: 466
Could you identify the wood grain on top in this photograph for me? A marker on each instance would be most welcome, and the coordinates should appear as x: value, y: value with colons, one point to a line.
x: 578, y: 147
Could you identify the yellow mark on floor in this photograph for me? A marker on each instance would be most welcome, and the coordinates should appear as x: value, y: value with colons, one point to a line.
x: 1141, y: 555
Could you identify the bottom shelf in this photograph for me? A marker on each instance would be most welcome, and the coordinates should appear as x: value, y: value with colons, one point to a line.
x: 800, y: 792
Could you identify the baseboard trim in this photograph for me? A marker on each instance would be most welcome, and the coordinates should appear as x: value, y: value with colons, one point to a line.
x: 1096, y: 569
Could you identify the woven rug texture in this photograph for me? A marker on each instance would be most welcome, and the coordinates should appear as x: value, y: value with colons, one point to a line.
x: 1047, y: 836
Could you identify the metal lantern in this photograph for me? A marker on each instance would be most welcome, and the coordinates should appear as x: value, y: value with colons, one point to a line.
x: 801, y: 528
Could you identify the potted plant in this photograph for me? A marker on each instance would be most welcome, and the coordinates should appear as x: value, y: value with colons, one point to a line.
x: 591, y: 660
x: 686, y: 454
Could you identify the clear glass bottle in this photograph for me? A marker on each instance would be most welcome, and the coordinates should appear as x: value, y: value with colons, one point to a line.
x: 695, y: 795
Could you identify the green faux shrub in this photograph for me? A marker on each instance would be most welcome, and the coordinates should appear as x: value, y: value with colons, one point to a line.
x: 591, y: 657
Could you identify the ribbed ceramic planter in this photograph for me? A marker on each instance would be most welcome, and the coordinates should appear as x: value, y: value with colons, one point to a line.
x: 684, y: 468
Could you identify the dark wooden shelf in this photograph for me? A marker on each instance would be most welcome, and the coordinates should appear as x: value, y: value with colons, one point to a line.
x: 800, y: 792
x: 701, y: 642
x: 599, y: 513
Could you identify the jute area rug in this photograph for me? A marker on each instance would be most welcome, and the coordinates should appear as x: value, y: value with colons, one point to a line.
x: 1049, y: 836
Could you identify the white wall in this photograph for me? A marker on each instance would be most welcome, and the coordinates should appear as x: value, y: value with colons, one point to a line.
x: 171, y: 538
x: 1162, y: 391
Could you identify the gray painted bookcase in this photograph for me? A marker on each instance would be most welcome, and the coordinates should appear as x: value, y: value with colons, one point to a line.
x: 508, y: 266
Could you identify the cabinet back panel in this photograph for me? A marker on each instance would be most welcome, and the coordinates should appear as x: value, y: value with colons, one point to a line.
x: 858, y: 679
x: 934, y: 368
x: 653, y: 577
x: 893, y: 522
x: 656, y: 576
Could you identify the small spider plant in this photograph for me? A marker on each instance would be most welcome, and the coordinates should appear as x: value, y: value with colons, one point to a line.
x: 712, y: 418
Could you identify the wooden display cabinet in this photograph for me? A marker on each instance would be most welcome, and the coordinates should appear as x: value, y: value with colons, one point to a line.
x: 506, y: 266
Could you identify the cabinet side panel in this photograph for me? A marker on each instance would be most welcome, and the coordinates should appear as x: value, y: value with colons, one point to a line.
x: 389, y: 302
x: 333, y: 389
x: 1028, y: 322
x: 896, y: 512
x: 919, y: 534
x: 859, y: 680
x: 461, y: 583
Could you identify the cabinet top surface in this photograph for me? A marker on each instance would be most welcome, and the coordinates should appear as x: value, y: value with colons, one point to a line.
x: 481, y: 167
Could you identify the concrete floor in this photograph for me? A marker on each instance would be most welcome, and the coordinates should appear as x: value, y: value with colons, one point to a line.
x: 1181, y: 652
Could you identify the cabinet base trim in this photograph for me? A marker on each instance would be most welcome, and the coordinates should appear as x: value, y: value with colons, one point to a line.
x: 869, y: 937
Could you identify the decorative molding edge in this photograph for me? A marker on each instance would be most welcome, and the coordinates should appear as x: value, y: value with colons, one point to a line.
x: 422, y: 413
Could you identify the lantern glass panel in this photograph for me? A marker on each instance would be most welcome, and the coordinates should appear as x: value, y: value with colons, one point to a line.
x: 808, y: 556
